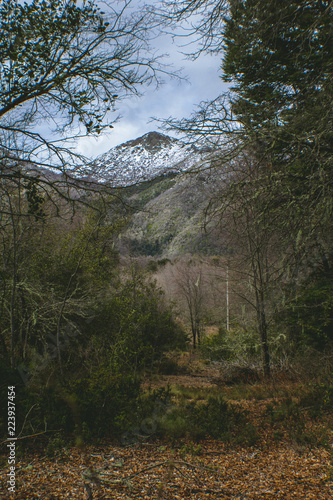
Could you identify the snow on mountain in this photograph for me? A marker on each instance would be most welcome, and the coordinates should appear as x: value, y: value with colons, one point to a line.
x: 142, y: 159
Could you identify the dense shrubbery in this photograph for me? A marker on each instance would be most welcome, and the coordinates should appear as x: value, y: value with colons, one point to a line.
x: 136, y: 326
x: 101, y: 406
x: 214, y: 418
x: 78, y: 329
x: 309, y: 317
x: 236, y: 345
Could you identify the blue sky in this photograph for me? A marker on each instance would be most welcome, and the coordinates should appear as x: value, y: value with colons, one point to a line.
x: 175, y: 98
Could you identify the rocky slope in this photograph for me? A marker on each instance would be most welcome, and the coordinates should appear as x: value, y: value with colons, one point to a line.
x: 142, y: 159
x: 169, y: 216
x: 167, y: 196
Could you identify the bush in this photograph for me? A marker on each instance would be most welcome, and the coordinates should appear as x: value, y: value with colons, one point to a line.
x: 97, y: 405
x: 136, y: 326
x: 237, y: 344
x: 214, y: 418
x: 290, y: 417
x: 319, y: 399
x: 215, y: 347
x: 105, y: 405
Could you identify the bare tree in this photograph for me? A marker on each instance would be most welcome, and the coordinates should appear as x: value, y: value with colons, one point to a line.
x: 248, y: 230
x: 189, y: 281
x: 63, y: 66
x: 204, y: 21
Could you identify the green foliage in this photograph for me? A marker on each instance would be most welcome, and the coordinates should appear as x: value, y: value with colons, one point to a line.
x: 211, y: 418
x: 35, y: 199
x: 215, y: 347
x: 95, y: 406
x: 282, y: 96
x: 284, y: 410
x: 288, y: 416
x: 318, y: 399
x: 215, y: 418
x: 140, y: 194
x: 110, y: 327
x: 154, y: 404
x: 308, y: 316
x: 150, y: 247
x: 312, y: 314
x: 51, y: 270
x: 281, y: 77
x: 169, y: 366
x: 106, y: 404
x: 146, y: 247
x: 136, y: 326
x: 55, y: 446
x: 153, y: 265
x: 237, y: 344
x: 190, y: 449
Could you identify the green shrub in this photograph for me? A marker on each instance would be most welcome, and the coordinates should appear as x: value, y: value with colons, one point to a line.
x: 93, y: 407
x: 105, y: 405
x: 136, y: 327
x: 318, y: 399
x: 236, y: 344
x: 215, y: 347
x: 246, y: 434
x: 56, y: 445
x: 283, y: 411
x: 214, y: 418
x: 287, y: 416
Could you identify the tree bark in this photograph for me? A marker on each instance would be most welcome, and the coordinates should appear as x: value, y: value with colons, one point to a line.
x: 262, y: 326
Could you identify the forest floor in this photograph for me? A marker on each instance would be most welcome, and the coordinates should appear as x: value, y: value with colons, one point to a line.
x: 275, y: 467
x: 160, y: 471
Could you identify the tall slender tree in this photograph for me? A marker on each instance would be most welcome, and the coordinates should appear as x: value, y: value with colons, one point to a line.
x: 277, y: 58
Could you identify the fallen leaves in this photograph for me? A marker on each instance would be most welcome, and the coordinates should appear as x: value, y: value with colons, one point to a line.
x: 158, y: 471
x: 277, y: 468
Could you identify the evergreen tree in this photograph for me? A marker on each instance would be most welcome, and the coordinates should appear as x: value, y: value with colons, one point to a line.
x: 279, y: 59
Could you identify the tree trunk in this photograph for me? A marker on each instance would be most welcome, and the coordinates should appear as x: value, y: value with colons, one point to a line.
x: 261, y: 316
x: 194, y: 334
x: 262, y: 326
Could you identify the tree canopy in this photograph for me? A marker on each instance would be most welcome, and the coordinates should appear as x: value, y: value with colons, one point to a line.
x: 277, y: 115
x: 63, y: 65
x: 278, y: 59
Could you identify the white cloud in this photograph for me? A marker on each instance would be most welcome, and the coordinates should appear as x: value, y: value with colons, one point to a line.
x: 175, y: 98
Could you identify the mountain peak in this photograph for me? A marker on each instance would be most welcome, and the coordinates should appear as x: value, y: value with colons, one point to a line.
x: 141, y: 159
x: 152, y: 141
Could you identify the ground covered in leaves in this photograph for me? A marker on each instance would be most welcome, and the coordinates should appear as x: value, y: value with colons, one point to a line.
x: 158, y: 470
x: 288, y: 454
x: 275, y: 467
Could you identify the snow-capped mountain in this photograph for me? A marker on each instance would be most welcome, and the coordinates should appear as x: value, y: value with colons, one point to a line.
x: 141, y: 159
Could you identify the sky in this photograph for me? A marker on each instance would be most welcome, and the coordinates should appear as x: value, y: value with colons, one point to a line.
x: 174, y: 98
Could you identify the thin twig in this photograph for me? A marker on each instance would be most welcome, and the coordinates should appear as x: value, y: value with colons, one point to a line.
x: 171, y: 462
x: 30, y: 436
x: 149, y: 468
x: 25, y: 419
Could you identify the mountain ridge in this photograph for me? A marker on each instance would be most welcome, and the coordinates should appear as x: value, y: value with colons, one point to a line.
x: 141, y: 159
